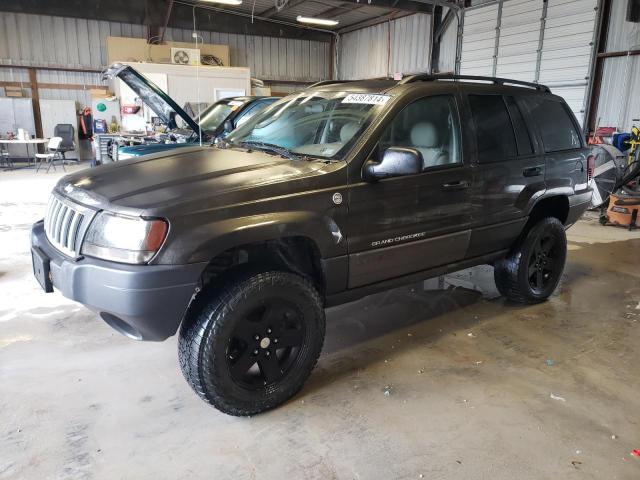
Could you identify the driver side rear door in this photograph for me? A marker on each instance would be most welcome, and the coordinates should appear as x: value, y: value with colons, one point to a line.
x: 404, y: 225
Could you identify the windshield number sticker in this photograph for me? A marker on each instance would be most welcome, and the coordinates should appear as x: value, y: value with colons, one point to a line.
x: 235, y: 103
x: 366, y: 98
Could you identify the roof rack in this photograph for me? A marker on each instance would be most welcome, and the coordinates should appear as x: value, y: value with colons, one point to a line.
x: 328, y: 82
x: 428, y: 77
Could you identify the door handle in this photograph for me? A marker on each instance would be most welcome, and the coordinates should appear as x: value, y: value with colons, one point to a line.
x: 532, y: 172
x: 458, y: 185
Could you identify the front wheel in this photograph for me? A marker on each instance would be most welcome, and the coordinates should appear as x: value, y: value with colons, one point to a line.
x: 532, y: 270
x: 252, y: 343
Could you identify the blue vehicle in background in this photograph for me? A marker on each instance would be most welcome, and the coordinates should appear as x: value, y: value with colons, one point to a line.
x: 215, y: 122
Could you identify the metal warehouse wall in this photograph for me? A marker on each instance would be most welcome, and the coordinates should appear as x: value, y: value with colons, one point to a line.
x: 367, y: 53
x: 619, y: 101
x: 547, y: 41
x: 448, y: 43
x: 71, y: 42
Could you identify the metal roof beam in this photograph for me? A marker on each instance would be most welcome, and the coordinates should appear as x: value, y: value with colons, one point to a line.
x: 208, y: 17
x: 413, y: 6
x: 270, y: 12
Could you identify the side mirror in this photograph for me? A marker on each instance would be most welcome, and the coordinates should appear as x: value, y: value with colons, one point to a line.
x: 228, y: 126
x: 396, y: 162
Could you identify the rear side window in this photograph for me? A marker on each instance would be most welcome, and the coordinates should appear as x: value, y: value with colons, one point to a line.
x: 523, y: 140
x: 556, y: 127
x: 496, y: 141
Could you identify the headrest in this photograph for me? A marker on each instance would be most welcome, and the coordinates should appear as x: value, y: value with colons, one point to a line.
x: 424, y: 135
x: 347, y: 131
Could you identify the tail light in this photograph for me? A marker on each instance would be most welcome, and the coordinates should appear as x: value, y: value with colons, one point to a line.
x: 591, y: 166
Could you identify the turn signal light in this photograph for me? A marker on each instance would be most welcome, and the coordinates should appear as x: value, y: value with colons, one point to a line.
x: 157, y: 232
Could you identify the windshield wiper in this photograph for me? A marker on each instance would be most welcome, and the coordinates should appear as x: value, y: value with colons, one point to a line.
x: 272, y: 148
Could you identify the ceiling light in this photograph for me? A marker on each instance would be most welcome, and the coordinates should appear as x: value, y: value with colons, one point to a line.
x: 317, y: 21
x: 224, y: 2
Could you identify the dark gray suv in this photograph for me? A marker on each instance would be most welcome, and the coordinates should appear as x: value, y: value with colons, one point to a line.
x: 328, y: 195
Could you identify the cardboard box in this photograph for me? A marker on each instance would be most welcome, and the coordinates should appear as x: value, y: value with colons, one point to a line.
x: 124, y: 49
x: 100, y: 92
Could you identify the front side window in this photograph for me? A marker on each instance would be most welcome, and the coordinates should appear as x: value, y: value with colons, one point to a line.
x: 317, y: 124
x: 429, y: 125
x: 494, y: 133
x: 555, y: 124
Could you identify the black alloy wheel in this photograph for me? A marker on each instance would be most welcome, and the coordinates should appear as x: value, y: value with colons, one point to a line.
x: 265, y: 343
x: 249, y: 343
x: 533, y: 268
x: 543, y: 264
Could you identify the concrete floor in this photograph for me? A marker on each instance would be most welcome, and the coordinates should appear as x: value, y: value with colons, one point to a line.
x: 477, y: 388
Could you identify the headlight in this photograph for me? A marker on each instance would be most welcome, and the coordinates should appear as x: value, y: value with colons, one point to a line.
x: 124, y: 239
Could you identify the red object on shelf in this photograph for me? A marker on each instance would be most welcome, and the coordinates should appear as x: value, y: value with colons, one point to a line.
x: 130, y: 109
x: 605, y: 131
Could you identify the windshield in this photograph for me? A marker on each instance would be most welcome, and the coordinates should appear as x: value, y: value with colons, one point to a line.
x: 214, y: 115
x: 318, y: 124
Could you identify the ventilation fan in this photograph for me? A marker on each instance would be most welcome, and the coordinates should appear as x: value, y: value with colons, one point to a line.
x: 185, y: 56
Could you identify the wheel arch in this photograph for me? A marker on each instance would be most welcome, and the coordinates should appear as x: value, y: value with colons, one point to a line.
x: 294, y: 241
x: 551, y: 204
x: 213, y: 239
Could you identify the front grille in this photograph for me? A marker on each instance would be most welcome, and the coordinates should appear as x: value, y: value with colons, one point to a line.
x: 65, y: 224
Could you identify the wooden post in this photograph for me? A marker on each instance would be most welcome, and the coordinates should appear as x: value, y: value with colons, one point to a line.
x: 35, y: 102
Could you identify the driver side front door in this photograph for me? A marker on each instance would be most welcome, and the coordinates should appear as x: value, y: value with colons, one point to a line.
x: 407, y: 224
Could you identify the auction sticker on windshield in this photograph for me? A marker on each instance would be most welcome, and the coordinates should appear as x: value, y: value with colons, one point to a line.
x: 366, y: 98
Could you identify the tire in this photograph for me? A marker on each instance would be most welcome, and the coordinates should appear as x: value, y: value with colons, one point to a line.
x: 532, y: 270
x: 250, y: 344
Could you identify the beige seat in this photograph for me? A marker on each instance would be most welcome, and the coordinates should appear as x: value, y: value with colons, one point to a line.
x: 53, y: 154
x: 424, y: 137
x: 347, y: 131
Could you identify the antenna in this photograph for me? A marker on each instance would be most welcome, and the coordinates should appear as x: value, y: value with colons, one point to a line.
x: 194, y: 34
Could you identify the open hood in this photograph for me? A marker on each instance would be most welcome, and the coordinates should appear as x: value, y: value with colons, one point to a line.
x: 161, y: 103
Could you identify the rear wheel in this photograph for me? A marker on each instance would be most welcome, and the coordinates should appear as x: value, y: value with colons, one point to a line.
x: 532, y: 270
x: 251, y: 344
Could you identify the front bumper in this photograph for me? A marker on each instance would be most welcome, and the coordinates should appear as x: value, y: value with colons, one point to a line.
x: 145, y: 302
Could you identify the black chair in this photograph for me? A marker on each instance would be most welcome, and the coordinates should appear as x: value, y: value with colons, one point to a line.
x: 67, y: 133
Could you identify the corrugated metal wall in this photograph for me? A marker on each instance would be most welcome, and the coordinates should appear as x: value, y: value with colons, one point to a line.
x: 71, y: 42
x: 479, y: 40
x: 619, y: 101
x: 367, y: 53
x: 448, y: 45
x: 567, y: 50
x: 519, y: 39
x: 504, y: 39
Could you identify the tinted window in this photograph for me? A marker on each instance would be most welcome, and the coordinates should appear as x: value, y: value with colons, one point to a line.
x: 556, y: 126
x: 430, y: 125
x: 523, y: 140
x: 496, y: 141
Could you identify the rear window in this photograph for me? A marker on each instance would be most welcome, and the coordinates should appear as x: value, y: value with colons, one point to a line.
x: 496, y: 141
x: 555, y: 124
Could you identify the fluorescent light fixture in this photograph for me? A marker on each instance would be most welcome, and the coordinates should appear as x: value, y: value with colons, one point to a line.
x: 224, y: 2
x: 317, y: 21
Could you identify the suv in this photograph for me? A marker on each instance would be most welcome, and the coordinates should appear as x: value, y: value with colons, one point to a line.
x: 331, y: 194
